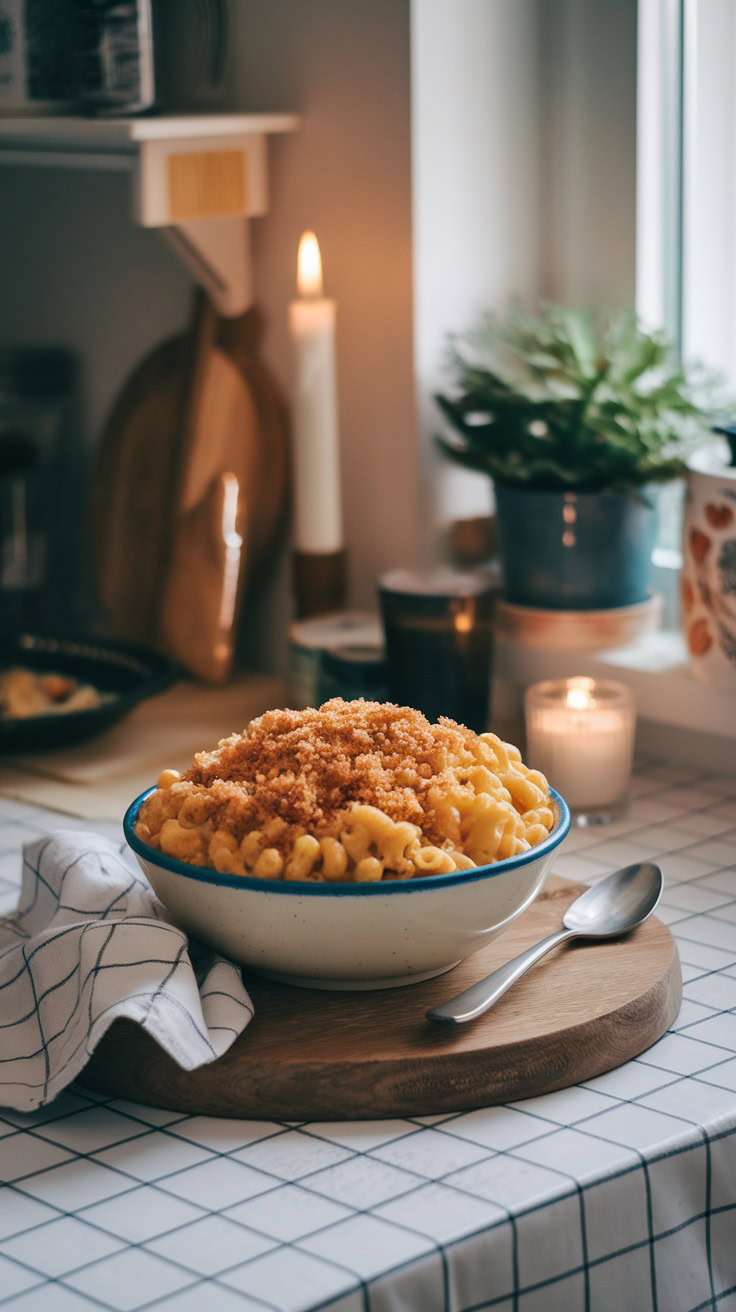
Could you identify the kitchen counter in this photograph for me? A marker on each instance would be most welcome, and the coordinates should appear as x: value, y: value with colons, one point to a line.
x: 617, y: 1194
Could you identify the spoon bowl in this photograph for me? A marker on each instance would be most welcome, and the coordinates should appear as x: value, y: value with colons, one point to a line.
x: 612, y: 907
x: 616, y: 904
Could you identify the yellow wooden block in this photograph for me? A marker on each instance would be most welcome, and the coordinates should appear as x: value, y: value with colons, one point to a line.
x: 207, y: 184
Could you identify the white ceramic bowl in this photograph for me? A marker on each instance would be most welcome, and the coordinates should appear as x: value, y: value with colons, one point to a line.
x: 349, y: 936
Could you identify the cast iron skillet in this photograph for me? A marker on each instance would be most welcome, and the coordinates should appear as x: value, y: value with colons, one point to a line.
x: 129, y: 672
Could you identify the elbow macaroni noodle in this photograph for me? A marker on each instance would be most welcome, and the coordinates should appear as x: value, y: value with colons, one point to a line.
x: 487, y: 805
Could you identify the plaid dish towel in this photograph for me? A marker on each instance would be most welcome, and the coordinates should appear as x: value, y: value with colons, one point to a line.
x: 90, y: 942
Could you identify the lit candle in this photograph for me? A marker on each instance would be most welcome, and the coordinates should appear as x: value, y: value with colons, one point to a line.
x: 580, y: 734
x: 316, y: 453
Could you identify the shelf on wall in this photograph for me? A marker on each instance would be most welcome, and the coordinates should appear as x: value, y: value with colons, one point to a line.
x: 199, y: 178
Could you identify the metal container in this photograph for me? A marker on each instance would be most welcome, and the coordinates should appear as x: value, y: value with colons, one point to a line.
x: 310, y: 640
x: 115, y: 71
x: 353, y: 672
x: 438, y: 626
x: 37, y: 65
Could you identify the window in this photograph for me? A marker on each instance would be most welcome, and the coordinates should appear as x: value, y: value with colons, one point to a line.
x: 686, y: 176
x: 686, y: 198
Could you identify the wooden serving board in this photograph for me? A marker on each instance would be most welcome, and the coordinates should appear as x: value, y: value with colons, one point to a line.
x: 310, y: 1055
x: 200, y: 405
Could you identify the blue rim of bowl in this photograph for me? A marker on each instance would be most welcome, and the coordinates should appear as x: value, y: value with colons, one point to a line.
x: 306, y: 888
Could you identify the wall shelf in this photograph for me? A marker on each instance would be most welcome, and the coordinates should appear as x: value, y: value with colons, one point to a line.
x: 199, y: 178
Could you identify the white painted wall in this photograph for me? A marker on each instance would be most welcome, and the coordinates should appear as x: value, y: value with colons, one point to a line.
x: 476, y: 201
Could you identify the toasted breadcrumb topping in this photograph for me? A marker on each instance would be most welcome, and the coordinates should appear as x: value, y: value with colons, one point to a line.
x: 304, y: 766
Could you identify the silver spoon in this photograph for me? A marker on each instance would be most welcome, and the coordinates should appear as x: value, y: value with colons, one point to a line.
x: 614, y: 906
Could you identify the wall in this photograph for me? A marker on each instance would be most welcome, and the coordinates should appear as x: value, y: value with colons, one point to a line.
x: 476, y: 200
x: 74, y: 271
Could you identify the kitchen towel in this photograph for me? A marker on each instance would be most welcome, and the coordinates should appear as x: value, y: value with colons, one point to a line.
x: 91, y: 943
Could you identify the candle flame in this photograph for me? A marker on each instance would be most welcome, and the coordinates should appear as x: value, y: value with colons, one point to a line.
x: 309, y: 266
x: 579, y: 694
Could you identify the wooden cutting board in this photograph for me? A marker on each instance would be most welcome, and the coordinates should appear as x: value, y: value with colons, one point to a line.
x: 310, y: 1055
x: 143, y: 482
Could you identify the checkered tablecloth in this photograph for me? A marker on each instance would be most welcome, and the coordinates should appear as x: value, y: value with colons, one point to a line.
x: 618, y: 1195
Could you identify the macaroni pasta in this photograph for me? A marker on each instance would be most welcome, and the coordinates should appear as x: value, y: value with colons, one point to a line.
x: 355, y: 791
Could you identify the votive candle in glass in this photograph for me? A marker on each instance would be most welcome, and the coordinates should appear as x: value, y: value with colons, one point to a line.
x: 580, y: 734
x: 439, y: 633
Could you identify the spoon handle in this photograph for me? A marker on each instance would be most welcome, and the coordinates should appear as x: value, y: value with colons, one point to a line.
x: 479, y: 997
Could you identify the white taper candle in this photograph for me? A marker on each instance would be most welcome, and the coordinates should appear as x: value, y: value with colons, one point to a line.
x: 316, y: 447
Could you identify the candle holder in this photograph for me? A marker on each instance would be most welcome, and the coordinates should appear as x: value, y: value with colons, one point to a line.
x: 320, y: 582
x: 438, y: 626
x: 580, y: 734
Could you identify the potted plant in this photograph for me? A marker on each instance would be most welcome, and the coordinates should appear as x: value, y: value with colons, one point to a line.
x: 576, y: 416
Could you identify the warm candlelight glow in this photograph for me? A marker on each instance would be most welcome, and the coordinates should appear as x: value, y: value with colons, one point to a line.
x: 309, y: 266
x: 579, y: 699
x: 580, y: 734
x: 579, y: 693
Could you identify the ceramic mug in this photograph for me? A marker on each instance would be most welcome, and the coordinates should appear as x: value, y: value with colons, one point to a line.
x: 709, y: 566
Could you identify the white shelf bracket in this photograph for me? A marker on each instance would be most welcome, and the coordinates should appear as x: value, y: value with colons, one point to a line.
x: 217, y: 253
x: 199, y: 179
x: 201, y: 194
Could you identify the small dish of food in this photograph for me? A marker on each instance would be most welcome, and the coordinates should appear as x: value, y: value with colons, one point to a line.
x: 25, y: 693
x: 60, y: 690
x: 351, y: 847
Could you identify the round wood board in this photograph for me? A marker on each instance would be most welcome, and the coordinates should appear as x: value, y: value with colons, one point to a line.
x: 310, y: 1055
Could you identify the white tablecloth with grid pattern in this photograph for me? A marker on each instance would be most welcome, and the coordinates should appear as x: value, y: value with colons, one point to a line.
x: 618, y: 1195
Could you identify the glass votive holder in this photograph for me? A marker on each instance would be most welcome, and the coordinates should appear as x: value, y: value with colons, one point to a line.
x: 580, y: 734
x: 438, y: 627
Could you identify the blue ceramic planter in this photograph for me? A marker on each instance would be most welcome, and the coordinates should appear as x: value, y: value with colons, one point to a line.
x: 575, y: 550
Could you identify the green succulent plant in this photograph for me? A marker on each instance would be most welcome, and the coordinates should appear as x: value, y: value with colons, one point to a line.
x: 572, y: 399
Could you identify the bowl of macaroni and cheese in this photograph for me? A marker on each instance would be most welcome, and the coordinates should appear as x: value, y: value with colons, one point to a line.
x: 354, y: 846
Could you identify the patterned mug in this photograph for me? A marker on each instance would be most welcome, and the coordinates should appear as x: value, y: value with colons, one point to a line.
x: 709, y: 568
